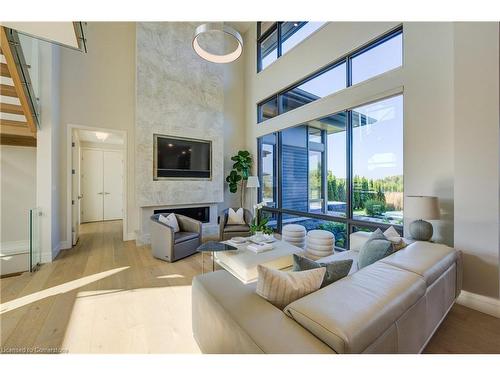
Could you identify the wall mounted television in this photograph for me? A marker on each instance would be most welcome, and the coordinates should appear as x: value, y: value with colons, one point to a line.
x: 181, y: 158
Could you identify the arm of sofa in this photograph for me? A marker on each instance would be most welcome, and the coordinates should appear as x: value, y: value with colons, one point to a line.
x: 229, y: 317
x: 186, y: 224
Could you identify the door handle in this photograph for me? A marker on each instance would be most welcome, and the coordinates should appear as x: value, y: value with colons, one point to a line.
x: 101, y: 193
x: 106, y: 193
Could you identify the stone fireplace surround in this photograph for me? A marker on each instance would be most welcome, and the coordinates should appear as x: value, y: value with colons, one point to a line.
x: 170, y: 79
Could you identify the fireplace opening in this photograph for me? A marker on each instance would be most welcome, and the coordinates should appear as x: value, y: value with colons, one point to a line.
x: 198, y: 213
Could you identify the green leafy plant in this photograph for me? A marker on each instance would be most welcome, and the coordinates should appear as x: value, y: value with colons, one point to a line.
x: 374, y: 207
x: 233, y: 179
x: 243, y: 163
x: 240, y: 172
x: 259, y: 224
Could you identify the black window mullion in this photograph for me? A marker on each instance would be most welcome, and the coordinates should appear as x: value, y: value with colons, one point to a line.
x: 349, y: 169
x: 279, y: 157
x: 324, y: 171
x: 279, y: 48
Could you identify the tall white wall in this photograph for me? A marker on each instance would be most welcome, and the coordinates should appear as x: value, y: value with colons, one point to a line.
x: 429, y: 118
x: 48, y: 188
x: 98, y: 90
x: 477, y: 225
x: 17, y: 191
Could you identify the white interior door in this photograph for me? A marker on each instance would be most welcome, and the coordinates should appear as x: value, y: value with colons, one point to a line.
x: 92, y: 185
x: 113, y: 185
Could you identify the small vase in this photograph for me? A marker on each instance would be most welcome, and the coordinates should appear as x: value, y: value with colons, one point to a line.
x: 258, y: 236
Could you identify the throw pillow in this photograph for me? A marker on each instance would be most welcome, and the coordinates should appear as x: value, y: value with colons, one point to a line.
x: 335, y: 270
x: 397, y: 241
x: 377, y: 247
x: 235, y: 217
x: 282, y: 288
x: 171, y: 221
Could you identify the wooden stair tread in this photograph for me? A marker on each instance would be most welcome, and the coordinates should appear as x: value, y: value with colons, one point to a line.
x: 13, y: 123
x: 14, y: 109
x: 4, y: 70
x: 16, y: 130
x: 7, y: 90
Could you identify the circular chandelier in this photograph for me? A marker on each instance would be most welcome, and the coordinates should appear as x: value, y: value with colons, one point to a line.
x: 223, y: 30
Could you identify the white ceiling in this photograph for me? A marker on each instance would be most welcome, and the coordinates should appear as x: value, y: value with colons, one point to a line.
x: 57, y: 32
x: 91, y: 136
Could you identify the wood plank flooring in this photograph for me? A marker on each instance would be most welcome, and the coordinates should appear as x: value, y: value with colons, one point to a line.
x: 110, y: 296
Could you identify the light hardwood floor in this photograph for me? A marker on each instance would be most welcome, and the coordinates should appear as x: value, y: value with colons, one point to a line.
x: 109, y: 296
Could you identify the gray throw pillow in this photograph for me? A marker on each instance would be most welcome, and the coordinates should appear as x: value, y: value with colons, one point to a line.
x: 335, y: 270
x: 377, y: 247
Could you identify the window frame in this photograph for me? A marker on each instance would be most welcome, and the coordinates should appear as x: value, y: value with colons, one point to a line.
x: 348, y: 220
x: 347, y: 59
x: 277, y: 26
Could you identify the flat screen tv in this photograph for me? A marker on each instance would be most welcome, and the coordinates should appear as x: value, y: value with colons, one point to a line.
x: 176, y: 157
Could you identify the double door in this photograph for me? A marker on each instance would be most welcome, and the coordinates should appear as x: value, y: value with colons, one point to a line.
x: 102, y: 185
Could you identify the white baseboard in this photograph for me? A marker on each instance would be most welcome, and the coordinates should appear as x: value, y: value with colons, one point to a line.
x: 64, y: 245
x: 487, y: 305
x: 130, y: 236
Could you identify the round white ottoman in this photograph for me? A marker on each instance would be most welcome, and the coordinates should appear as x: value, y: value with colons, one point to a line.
x: 294, y: 234
x: 320, y: 243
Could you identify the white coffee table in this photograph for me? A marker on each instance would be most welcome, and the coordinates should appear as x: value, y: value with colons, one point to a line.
x: 242, y: 263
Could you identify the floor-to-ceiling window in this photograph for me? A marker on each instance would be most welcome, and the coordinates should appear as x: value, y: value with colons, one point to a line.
x: 341, y: 173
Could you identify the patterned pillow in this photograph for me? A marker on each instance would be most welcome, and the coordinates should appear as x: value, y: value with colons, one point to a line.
x: 282, y: 288
x: 377, y: 247
x: 335, y: 270
x: 392, y: 235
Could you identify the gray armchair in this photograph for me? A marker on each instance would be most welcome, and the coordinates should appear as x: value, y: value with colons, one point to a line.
x: 170, y: 246
x: 227, y: 231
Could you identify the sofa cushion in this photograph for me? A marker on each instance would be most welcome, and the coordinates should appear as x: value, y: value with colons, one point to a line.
x: 236, y: 228
x: 426, y: 259
x: 180, y: 237
x: 359, y: 307
x: 281, y: 288
x: 335, y: 270
x: 377, y: 247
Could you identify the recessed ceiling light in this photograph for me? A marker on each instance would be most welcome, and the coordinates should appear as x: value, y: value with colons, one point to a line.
x: 295, y: 24
x: 170, y: 145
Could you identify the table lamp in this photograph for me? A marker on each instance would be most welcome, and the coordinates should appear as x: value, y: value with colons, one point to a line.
x: 421, y: 208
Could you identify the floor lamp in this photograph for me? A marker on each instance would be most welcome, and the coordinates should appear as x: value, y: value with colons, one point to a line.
x: 253, y: 183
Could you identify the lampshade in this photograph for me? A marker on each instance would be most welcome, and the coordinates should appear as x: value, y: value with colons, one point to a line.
x: 253, y: 182
x: 422, y: 207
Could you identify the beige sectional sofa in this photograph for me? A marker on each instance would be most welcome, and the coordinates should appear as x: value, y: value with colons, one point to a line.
x: 392, y: 306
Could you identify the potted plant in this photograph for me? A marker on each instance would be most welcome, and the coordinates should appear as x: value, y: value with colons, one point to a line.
x: 259, y: 226
x: 240, y: 172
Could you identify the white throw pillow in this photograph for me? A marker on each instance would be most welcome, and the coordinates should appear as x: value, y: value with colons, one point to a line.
x: 282, y: 288
x: 235, y: 217
x: 171, y: 221
x: 397, y: 241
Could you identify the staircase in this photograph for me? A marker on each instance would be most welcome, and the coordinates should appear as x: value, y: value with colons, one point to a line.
x: 17, y: 121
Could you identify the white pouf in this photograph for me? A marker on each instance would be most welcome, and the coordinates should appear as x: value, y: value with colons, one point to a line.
x: 294, y: 234
x: 320, y: 243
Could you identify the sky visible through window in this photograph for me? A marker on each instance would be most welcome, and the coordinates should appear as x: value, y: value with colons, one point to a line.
x: 377, y: 148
